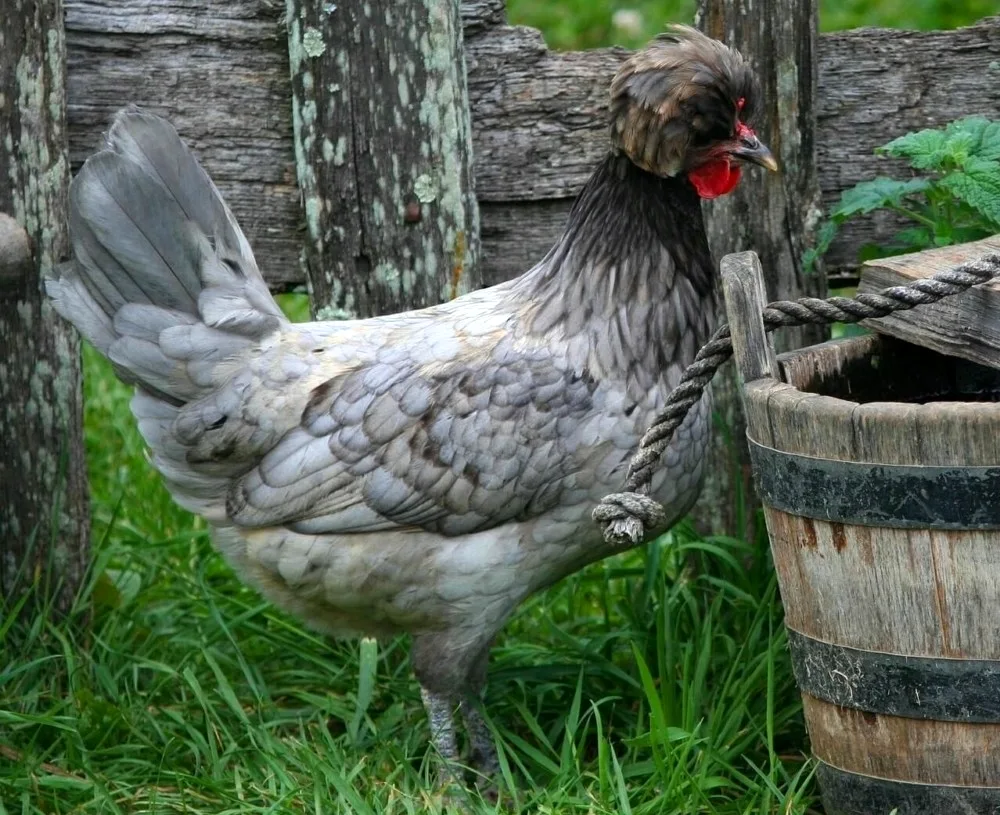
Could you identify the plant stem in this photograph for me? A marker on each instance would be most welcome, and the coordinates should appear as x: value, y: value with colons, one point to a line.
x: 916, y: 216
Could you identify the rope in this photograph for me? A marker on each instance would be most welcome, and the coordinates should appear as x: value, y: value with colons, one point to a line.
x: 625, y: 516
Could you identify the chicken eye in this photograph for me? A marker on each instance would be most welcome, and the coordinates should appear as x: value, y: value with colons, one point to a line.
x: 718, y: 133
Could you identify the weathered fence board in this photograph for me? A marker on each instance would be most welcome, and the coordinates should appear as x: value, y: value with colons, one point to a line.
x: 776, y: 214
x: 219, y: 68
x: 383, y: 143
x: 44, y: 510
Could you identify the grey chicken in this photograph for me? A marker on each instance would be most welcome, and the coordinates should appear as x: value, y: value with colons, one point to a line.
x: 421, y: 472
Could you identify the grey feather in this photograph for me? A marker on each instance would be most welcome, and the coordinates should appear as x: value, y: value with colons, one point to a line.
x: 153, y: 144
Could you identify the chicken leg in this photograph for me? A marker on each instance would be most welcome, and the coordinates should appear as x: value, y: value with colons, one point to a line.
x: 447, y: 684
x: 441, y: 716
x: 482, y: 749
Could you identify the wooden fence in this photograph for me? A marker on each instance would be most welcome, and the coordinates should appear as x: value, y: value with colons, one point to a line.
x: 219, y: 68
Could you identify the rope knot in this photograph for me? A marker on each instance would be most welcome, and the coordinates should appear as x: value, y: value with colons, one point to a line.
x: 625, y: 517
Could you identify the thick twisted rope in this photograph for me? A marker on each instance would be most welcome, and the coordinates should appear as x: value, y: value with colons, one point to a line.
x: 625, y: 516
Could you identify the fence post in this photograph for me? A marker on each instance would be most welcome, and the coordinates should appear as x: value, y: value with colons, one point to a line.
x: 773, y: 214
x: 44, y: 519
x: 383, y: 147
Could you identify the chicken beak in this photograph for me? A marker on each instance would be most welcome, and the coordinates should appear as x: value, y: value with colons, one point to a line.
x: 750, y: 148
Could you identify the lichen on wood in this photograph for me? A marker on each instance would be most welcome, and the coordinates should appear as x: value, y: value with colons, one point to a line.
x: 381, y: 120
x: 43, y: 497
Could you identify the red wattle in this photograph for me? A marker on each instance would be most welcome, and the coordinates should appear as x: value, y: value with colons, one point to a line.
x: 715, y: 178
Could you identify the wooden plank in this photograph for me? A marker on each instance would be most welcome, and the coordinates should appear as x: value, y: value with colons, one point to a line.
x: 811, y: 424
x: 964, y: 325
x: 219, y: 70
x: 917, y: 750
x: 44, y: 520
x: 383, y: 148
x: 775, y: 214
x: 743, y: 286
x: 513, y: 234
x: 756, y: 398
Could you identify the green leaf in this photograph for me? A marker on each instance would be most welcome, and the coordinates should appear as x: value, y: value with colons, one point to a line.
x: 967, y: 234
x: 980, y: 135
x: 875, y: 194
x: 64, y: 782
x: 368, y: 664
x: 824, y: 237
x: 115, y: 588
x: 913, y: 239
x: 874, y: 251
x: 951, y: 147
x: 926, y: 149
x: 978, y: 184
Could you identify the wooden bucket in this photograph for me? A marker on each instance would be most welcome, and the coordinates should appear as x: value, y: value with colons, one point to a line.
x: 879, y: 466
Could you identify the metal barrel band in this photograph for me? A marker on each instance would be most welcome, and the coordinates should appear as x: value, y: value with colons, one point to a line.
x: 886, y: 495
x: 952, y: 690
x: 847, y: 793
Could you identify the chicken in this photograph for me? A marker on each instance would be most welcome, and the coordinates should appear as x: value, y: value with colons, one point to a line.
x: 421, y: 472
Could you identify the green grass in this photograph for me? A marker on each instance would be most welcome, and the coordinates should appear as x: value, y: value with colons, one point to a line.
x: 655, y: 682
x: 578, y: 24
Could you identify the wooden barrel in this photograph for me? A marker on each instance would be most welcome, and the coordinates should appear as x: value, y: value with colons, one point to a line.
x: 879, y: 465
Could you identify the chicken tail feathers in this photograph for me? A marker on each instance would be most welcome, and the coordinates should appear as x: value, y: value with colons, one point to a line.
x: 162, y: 281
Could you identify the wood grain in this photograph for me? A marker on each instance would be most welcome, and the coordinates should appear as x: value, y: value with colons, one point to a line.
x: 743, y: 287
x: 775, y: 214
x: 915, y: 592
x: 919, y: 592
x: 219, y: 70
x: 911, y: 592
x: 916, y: 750
x: 881, y: 400
x: 964, y: 325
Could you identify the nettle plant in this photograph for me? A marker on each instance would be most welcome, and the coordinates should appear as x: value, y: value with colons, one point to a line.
x: 955, y: 198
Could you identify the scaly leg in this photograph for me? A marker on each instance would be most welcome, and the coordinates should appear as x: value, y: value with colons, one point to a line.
x: 440, y: 715
x: 482, y: 749
x: 450, y: 675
